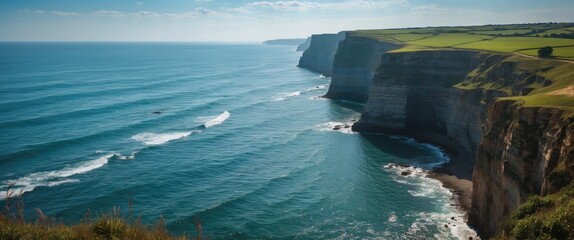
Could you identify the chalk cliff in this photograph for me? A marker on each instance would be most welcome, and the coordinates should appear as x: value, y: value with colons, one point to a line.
x: 354, y: 66
x: 305, y: 45
x: 449, y: 97
x: 413, y: 93
x: 321, y: 52
x: 524, y: 151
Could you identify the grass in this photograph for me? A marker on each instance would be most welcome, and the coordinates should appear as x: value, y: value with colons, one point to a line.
x: 449, y: 40
x: 407, y: 37
x: 485, y: 38
x: 109, y: 226
x: 548, y: 217
x: 413, y: 48
x: 540, y: 100
x: 511, y: 44
x: 503, y: 32
x: 559, y: 52
x: 553, y: 31
x: 548, y: 81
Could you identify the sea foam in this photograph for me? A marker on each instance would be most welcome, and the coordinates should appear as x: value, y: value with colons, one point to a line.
x: 336, y: 126
x: 283, y: 96
x: 420, y: 185
x: 148, y: 138
x: 218, y: 120
x: 52, y: 178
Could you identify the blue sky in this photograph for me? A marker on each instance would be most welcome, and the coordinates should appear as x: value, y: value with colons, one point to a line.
x: 251, y: 20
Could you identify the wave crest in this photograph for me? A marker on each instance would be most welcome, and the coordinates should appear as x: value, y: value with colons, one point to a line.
x: 218, y: 120
x: 283, y: 96
x: 159, y: 138
x: 52, y: 178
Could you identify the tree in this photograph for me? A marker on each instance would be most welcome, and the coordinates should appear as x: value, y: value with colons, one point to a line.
x: 545, y: 51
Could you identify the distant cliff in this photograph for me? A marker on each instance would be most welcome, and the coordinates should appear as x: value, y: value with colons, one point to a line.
x: 291, y: 41
x: 305, y: 45
x: 321, y: 52
x: 354, y: 66
x: 413, y: 94
x: 460, y: 99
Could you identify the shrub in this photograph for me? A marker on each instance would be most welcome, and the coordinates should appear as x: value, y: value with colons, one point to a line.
x: 545, y: 51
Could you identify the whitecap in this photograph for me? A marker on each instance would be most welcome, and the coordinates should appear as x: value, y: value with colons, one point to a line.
x: 343, y: 127
x: 420, y: 185
x: 160, y: 138
x: 52, y: 178
x: 393, y: 217
x: 283, y: 96
x: 126, y: 157
x: 317, y: 88
x: 448, y: 224
x: 218, y: 120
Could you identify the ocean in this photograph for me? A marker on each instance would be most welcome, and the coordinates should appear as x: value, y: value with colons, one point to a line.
x: 234, y: 135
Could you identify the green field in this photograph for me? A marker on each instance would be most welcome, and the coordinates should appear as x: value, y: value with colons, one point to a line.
x: 522, y: 38
x: 553, y: 31
x: 450, y: 40
x: 511, y: 44
x: 562, y: 52
x: 408, y: 37
x: 503, y: 32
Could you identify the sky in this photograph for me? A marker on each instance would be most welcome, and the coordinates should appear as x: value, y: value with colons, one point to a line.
x: 252, y: 20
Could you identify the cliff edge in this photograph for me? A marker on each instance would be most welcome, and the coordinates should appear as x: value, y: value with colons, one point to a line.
x: 354, y: 66
x: 319, y: 55
x: 508, y: 117
x: 456, y: 99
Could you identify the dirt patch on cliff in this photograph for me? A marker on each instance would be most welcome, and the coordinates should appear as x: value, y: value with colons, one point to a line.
x: 569, y: 91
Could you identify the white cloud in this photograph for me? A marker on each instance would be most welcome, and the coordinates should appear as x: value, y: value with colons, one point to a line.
x: 306, y: 6
x: 237, y: 10
x: 30, y: 11
x: 198, y: 12
x: 110, y: 13
x: 63, y: 13
x: 145, y: 14
x: 285, y: 5
x: 431, y: 7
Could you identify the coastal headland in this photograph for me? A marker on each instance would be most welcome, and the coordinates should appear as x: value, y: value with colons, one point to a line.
x: 485, y: 94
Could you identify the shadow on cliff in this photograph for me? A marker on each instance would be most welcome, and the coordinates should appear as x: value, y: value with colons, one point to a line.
x: 337, y: 104
x: 405, y: 150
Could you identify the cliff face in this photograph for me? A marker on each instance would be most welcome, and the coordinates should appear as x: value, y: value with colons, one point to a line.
x: 304, y: 45
x: 448, y: 97
x: 413, y: 94
x: 524, y: 151
x: 321, y: 52
x: 354, y: 66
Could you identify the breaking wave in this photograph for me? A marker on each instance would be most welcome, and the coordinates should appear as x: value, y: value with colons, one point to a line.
x: 283, y: 96
x: 218, y: 120
x: 160, y: 138
x: 52, y: 178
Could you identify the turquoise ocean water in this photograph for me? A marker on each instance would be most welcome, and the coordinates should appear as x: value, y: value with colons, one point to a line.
x: 233, y: 135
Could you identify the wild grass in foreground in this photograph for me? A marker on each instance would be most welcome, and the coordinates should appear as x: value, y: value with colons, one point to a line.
x: 548, y: 217
x: 112, y: 225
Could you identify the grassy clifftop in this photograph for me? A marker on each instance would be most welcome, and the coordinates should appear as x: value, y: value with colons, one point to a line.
x: 519, y: 38
x: 521, y: 41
